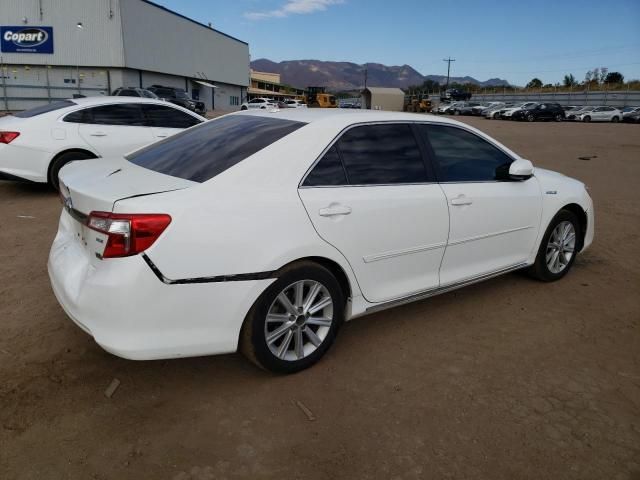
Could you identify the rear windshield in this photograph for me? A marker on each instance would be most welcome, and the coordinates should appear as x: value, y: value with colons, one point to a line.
x: 200, y: 153
x: 49, y: 107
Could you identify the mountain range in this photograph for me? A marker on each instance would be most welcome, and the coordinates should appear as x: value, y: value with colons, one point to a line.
x: 349, y: 76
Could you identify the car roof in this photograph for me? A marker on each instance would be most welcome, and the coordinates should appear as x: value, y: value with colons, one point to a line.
x: 99, y: 100
x: 346, y: 117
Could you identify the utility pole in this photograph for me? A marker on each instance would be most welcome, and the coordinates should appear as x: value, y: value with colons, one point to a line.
x: 448, y: 60
x: 365, y: 76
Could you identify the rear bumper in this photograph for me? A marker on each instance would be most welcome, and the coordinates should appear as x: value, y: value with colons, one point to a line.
x: 131, y: 313
x: 23, y: 163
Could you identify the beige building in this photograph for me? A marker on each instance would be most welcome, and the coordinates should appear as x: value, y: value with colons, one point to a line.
x: 379, y: 98
x: 266, y: 84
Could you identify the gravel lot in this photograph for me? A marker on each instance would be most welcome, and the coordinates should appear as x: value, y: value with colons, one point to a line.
x: 509, y: 379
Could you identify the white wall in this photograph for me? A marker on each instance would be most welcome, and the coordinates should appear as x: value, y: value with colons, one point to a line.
x: 157, y: 40
x: 98, y: 43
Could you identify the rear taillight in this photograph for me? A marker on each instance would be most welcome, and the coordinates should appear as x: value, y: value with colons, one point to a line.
x: 128, y: 234
x: 8, y: 137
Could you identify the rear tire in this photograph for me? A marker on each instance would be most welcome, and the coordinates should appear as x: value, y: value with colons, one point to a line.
x: 615, y: 119
x: 289, y: 338
x: 558, y: 248
x: 60, y: 161
x: 558, y: 117
x: 586, y: 119
x: 531, y: 118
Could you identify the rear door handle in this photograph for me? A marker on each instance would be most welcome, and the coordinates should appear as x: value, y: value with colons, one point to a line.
x: 334, y: 209
x: 461, y: 200
x: 98, y: 134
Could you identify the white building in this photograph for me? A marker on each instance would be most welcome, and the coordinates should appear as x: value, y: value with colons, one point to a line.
x: 51, y: 49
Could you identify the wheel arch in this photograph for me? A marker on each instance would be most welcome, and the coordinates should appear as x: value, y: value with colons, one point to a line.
x: 64, y: 152
x: 334, y: 267
x: 579, y: 212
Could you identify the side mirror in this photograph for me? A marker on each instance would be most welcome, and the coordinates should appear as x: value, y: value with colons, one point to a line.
x: 521, y: 169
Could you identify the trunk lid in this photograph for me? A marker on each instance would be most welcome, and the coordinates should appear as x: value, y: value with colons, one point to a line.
x: 98, y: 184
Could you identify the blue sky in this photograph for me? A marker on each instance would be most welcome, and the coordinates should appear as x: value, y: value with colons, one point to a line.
x: 516, y: 40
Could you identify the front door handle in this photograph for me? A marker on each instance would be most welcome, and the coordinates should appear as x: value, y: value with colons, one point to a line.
x: 461, y: 200
x: 334, y: 209
x: 98, y: 134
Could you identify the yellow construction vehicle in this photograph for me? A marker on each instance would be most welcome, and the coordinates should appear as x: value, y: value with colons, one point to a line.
x: 318, y: 98
x: 417, y: 103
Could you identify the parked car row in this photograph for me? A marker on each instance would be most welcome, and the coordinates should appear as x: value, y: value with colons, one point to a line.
x: 264, y: 103
x: 535, y: 111
x: 177, y: 96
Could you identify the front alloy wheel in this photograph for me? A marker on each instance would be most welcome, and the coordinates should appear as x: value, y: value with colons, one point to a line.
x: 558, y: 249
x: 561, y: 247
x: 295, y: 320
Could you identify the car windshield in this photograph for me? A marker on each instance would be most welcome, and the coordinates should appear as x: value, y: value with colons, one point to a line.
x: 200, y: 153
x: 49, y: 107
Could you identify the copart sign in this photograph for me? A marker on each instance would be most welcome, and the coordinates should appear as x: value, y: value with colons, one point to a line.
x: 26, y: 39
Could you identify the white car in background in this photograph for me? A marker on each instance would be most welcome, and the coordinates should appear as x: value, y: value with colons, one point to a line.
x: 629, y: 111
x: 295, y: 104
x: 35, y: 144
x: 494, y: 111
x: 600, y: 114
x: 507, y: 113
x: 265, y: 230
x: 259, y: 103
x: 447, y: 107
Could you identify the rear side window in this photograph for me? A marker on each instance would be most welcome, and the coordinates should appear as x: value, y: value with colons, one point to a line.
x: 327, y: 172
x: 381, y: 155
x: 49, y: 107
x: 168, y: 117
x: 202, y: 152
x: 79, y: 116
x: 462, y: 156
x: 129, y: 114
x: 128, y: 93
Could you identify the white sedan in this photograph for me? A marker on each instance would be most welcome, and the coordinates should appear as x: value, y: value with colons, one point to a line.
x: 259, y: 103
x: 264, y: 231
x: 35, y: 144
x: 599, y: 114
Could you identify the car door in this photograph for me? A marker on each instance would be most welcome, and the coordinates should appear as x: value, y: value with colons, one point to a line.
x: 115, y: 129
x: 166, y: 121
x: 372, y: 196
x: 493, y: 222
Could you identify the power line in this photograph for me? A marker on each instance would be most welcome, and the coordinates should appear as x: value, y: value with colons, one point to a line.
x: 448, y: 60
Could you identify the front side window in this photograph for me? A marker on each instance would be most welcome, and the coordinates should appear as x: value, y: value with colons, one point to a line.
x: 202, y: 152
x: 167, y: 117
x: 462, y: 156
x: 381, y: 155
x: 123, y: 114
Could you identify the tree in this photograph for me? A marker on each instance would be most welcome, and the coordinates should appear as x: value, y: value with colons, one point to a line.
x: 569, y: 81
x: 614, y: 77
x: 535, y: 83
x: 603, y: 74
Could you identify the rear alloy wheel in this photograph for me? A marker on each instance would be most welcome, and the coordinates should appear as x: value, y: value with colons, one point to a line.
x: 531, y: 118
x: 558, y: 117
x: 496, y: 116
x: 558, y: 248
x: 586, y: 119
x: 615, y: 119
x: 60, y: 161
x: 295, y: 321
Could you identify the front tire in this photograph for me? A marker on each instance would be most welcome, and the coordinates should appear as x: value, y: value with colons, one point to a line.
x: 531, y: 118
x: 295, y: 320
x: 586, y: 119
x: 558, y: 248
x: 59, y: 162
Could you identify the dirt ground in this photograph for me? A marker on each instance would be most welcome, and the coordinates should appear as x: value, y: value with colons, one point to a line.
x: 508, y: 379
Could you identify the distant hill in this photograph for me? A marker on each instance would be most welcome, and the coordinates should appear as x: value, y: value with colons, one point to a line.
x: 348, y: 76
